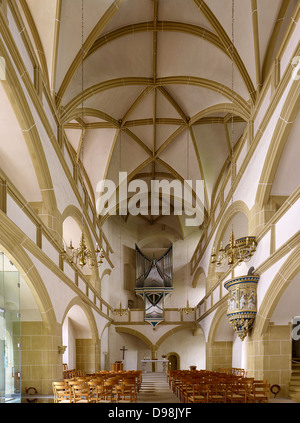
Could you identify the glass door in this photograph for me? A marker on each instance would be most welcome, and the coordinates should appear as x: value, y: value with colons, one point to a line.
x: 10, y: 335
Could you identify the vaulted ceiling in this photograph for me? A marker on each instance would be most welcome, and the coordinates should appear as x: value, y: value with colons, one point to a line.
x: 162, y: 81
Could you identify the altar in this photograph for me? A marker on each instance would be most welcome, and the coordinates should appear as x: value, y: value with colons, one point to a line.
x: 154, y: 367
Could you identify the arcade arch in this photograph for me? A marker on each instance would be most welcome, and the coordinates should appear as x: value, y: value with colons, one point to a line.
x: 80, y: 336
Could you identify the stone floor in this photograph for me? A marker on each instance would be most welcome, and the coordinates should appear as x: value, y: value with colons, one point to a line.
x: 155, y: 389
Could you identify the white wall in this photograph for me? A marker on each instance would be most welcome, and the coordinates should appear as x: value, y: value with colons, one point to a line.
x: 136, y: 349
x: 239, y: 353
x: 191, y: 349
x: 69, y: 340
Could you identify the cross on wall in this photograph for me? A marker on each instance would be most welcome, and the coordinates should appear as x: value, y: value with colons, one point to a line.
x: 123, y: 349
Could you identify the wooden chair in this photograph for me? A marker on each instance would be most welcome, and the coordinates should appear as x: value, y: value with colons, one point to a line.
x: 126, y: 393
x: 72, y: 383
x: 217, y: 392
x: 81, y: 394
x: 104, y: 393
x: 183, y: 387
x: 99, y: 394
x: 186, y: 390
x: 260, y: 393
x: 130, y: 384
x: 200, y: 394
x: 238, y: 392
x: 61, y: 392
x: 95, y: 382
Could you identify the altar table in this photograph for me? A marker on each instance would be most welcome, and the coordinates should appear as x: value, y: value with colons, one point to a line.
x: 164, y: 365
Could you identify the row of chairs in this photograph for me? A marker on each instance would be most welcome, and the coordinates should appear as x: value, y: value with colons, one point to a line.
x: 70, y: 374
x: 100, y: 387
x: 212, y: 387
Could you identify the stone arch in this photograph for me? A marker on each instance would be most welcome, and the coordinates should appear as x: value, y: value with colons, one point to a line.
x: 88, y: 313
x: 191, y: 352
x: 27, y: 124
x: 106, y: 272
x: 108, y: 324
x: 172, y: 331
x: 232, y: 210
x: 197, y: 275
x: 279, y: 284
x: 32, y: 277
x: 156, y: 240
x: 88, y: 357
x: 219, y: 314
x: 142, y: 337
x: 277, y: 144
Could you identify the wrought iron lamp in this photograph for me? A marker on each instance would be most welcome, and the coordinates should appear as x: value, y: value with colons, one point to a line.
x: 83, y: 255
x: 237, y: 251
x: 120, y: 311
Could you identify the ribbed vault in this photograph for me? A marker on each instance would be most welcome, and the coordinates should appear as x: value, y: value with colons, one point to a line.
x: 166, y: 94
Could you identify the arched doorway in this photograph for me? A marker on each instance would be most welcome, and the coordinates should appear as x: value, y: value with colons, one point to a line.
x: 296, y: 341
x: 174, y: 361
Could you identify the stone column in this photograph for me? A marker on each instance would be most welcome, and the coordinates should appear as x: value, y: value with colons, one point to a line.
x: 269, y: 357
x: 219, y: 355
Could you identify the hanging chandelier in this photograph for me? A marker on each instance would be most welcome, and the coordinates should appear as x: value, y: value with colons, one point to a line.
x: 237, y: 251
x: 120, y: 311
x: 83, y: 255
x: 187, y: 309
x: 241, y: 249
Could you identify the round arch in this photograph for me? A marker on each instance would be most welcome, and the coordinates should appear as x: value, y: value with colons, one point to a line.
x: 191, y: 326
x: 77, y: 301
x: 170, y: 355
x: 142, y: 337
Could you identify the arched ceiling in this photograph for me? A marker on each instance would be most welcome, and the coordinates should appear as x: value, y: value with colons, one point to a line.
x: 161, y: 81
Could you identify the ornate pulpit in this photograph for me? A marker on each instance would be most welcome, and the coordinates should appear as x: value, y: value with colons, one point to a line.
x: 153, y: 282
x: 242, y: 303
